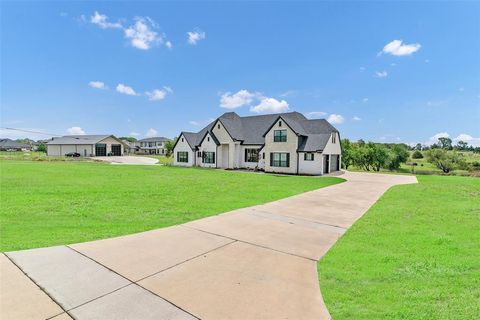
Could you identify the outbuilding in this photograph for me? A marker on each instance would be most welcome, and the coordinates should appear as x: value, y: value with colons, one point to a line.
x: 86, y: 145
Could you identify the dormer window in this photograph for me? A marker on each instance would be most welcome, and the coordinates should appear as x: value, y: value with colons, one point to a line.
x: 334, y: 138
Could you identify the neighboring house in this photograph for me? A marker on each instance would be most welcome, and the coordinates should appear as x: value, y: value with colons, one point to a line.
x: 154, y: 145
x: 282, y: 143
x: 86, y: 145
x: 130, y: 147
x: 12, y: 145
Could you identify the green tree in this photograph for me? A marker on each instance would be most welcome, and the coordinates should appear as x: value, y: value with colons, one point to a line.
x: 417, y: 155
x: 169, y: 146
x: 129, y: 139
x: 461, y: 145
x: 445, y: 143
x: 347, y: 153
x: 418, y: 147
x: 444, y: 160
x: 42, y: 148
x: 378, y: 154
x: 397, y: 155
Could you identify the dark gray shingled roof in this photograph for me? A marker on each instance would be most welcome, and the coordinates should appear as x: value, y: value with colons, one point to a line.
x: 81, y: 139
x: 9, y: 143
x: 251, y: 129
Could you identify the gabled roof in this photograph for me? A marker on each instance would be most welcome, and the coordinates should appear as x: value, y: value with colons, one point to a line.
x: 81, y: 139
x: 9, y: 143
x: 252, y: 129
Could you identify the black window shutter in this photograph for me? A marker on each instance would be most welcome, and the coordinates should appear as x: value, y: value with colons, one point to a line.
x: 304, y: 156
x: 245, y: 155
x: 271, y: 159
x: 288, y: 159
x: 313, y: 156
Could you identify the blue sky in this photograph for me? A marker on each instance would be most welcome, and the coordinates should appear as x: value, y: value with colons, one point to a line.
x: 386, y: 72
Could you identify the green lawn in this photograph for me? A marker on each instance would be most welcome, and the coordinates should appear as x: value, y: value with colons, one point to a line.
x: 414, y: 255
x: 52, y: 203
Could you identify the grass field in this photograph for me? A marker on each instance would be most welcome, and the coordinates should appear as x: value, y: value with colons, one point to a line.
x: 414, y: 255
x: 52, y: 203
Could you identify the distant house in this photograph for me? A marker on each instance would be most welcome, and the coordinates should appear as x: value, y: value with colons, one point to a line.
x: 12, y: 145
x: 283, y: 143
x: 86, y: 145
x: 153, y: 145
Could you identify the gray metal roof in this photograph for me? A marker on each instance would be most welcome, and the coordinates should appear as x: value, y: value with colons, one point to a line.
x: 251, y: 129
x: 80, y: 139
x: 153, y: 139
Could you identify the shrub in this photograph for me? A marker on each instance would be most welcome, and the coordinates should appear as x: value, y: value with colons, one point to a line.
x: 417, y: 155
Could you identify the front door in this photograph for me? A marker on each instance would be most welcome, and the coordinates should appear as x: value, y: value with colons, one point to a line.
x: 326, y: 163
x: 116, y: 150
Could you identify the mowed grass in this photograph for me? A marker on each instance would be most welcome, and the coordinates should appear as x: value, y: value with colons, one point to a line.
x: 53, y: 203
x: 414, y: 255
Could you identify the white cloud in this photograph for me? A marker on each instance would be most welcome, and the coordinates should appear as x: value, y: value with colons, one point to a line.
x: 97, y: 84
x: 151, y: 133
x: 134, y: 134
x: 126, y: 90
x: 461, y: 89
x: 237, y: 100
x: 439, y: 135
x: 335, y: 119
x: 355, y: 118
x: 427, y: 61
x: 381, y: 74
x: 398, y: 48
x: 469, y: 139
x: 158, y: 94
x: 270, y: 105
x: 316, y: 114
x: 77, y: 131
x: 195, y: 36
x: 288, y: 93
x: 201, y: 123
x: 362, y: 69
x: 102, y: 21
x: 141, y: 34
x: 393, y: 64
x: 169, y: 44
x: 365, y: 100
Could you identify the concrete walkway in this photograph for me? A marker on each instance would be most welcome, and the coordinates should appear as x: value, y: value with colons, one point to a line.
x: 252, y: 263
x: 128, y: 160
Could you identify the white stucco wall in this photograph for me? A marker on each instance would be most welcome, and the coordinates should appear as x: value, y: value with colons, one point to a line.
x: 310, y: 167
x: 183, y: 146
x: 208, y: 145
x: 289, y: 146
x: 224, y: 138
x: 333, y: 148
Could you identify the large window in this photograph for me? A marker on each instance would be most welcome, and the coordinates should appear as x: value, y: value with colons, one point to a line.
x: 208, y: 157
x: 279, y: 159
x: 308, y: 157
x: 182, y: 156
x: 280, y: 135
x: 251, y: 155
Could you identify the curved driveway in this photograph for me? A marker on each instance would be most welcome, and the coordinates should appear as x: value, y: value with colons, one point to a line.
x: 252, y: 263
x: 128, y: 160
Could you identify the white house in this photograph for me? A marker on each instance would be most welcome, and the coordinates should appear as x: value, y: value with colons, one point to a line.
x: 153, y: 145
x: 86, y: 145
x: 282, y: 143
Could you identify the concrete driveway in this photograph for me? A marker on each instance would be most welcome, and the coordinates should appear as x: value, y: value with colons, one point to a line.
x: 252, y: 263
x: 128, y: 160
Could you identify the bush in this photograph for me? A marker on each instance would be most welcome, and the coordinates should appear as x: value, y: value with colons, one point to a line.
x: 417, y: 155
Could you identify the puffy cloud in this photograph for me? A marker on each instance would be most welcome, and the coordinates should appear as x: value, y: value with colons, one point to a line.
x: 97, y: 84
x: 125, y: 90
x: 335, y: 119
x: 195, y: 36
x: 237, y: 100
x: 381, y: 74
x: 102, y: 21
x: 270, y: 105
x: 398, y: 48
x: 169, y: 44
x: 158, y: 94
x: 75, y: 131
x: 316, y: 114
x: 469, y: 139
x: 151, y: 133
x: 141, y: 35
x: 440, y: 135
